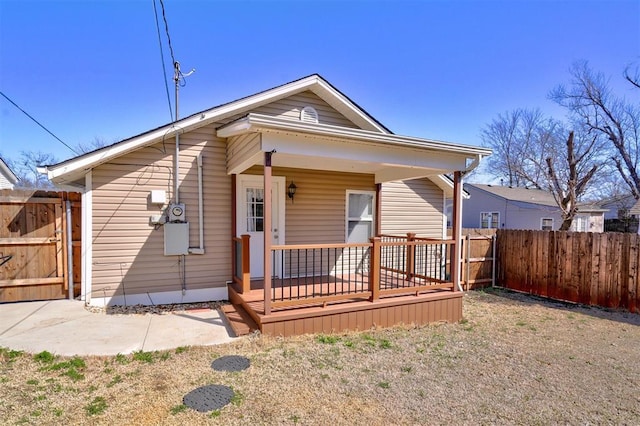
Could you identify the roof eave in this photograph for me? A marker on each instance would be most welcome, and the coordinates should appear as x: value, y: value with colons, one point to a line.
x: 258, y: 122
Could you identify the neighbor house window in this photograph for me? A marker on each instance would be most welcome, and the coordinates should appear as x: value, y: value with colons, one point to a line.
x: 581, y: 223
x: 360, y: 213
x: 490, y: 220
x: 546, y: 224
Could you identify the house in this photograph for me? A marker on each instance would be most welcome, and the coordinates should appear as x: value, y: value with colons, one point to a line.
x: 271, y: 201
x: 618, y: 207
x: 505, y: 207
x: 8, y: 179
x: 622, y: 213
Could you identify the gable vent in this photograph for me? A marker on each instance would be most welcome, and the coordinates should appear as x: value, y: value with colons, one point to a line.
x: 309, y: 115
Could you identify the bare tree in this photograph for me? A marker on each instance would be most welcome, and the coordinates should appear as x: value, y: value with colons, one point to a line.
x: 25, y: 168
x: 568, y: 184
x: 521, y: 141
x: 590, y: 100
x: 93, y: 145
x: 532, y: 150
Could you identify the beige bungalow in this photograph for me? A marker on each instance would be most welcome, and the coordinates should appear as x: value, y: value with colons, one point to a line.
x: 281, y: 202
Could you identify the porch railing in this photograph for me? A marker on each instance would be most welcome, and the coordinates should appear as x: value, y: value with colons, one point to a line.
x: 319, y: 273
x: 387, y: 266
x: 241, y: 263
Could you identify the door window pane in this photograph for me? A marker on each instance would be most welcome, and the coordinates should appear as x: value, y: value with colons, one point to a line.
x: 255, y: 209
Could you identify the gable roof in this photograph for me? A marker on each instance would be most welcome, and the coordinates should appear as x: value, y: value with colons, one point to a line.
x: 75, y: 167
x: 635, y: 209
x: 531, y: 196
x: 7, y: 172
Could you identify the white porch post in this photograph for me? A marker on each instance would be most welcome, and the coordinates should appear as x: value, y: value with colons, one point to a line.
x: 267, y: 232
x: 457, y: 231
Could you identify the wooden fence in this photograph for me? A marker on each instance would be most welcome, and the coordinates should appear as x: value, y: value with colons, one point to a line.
x: 590, y: 268
x: 36, y: 227
x: 478, y: 259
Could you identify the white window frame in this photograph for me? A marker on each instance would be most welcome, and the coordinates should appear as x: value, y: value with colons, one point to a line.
x: 542, y: 219
x: 360, y: 219
x: 491, y: 221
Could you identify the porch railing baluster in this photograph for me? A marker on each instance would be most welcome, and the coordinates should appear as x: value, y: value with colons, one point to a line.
x: 385, y: 267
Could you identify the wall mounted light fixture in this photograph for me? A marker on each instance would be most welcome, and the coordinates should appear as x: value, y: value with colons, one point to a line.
x: 291, y: 190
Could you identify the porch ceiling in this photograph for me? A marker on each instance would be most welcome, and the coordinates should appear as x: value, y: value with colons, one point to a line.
x: 324, y: 147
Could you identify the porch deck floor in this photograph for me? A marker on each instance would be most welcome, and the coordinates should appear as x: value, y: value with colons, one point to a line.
x: 351, y: 313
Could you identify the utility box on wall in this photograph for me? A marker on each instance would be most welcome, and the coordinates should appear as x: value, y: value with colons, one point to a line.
x: 176, y: 239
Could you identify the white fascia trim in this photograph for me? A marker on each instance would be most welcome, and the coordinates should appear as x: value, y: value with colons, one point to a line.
x: 164, y: 298
x: 446, y: 185
x: 199, y: 119
x: 11, y: 177
x: 87, y: 239
x: 349, y: 105
x: 257, y: 122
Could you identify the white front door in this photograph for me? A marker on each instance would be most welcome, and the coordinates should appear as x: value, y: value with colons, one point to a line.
x: 250, y: 220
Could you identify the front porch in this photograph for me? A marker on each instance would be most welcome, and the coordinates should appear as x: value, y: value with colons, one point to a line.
x: 325, y: 288
x: 342, y: 272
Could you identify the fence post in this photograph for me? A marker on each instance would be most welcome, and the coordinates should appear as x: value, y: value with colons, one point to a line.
x: 374, y: 269
x: 494, y: 259
x: 411, y: 256
x: 246, y: 264
x: 467, y: 280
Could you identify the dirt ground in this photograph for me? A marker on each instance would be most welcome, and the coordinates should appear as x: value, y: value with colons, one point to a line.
x: 514, y: 359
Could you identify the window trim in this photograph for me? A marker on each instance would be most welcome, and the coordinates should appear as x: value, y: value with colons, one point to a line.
x: 347, y: 218
x: 542, y: 219
x: 491, y: 213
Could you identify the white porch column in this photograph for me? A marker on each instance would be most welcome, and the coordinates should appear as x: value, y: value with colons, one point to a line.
x: 456, y: 268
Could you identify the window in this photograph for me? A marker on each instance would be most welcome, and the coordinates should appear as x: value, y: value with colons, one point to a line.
x: 255, y: 209
x: 581, y: 224
x: 490, y: 220
x: 546, y: 224
x: 360, y: 212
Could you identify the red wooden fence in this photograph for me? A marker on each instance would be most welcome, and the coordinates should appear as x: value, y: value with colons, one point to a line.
x: 590, y: 268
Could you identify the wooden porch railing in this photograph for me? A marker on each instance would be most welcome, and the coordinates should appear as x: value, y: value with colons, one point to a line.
x: 319, y: 273
x: 241, y: 263
x: 387, y: 266
x: 313, y: 274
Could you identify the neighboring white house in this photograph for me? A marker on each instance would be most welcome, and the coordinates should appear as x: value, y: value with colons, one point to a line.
x: 504, y: 207
x: 8, y: 179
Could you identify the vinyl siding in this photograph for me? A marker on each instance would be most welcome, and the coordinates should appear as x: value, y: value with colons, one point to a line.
x: 5, y: 183
x: 241, y: 148
x: 412, y: 206
x: 128, y: 253
x: 291, y: 106
x: 317, y: 213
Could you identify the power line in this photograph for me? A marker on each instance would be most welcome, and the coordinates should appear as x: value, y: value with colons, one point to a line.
x: 164, y: 68
x: 38, y: 123
x: 166, y: 27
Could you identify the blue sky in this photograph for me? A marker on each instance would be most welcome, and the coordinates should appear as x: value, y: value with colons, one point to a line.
x: 434, y: 69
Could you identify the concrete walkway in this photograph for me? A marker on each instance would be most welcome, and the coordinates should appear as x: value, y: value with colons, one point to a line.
x: 65, y: 327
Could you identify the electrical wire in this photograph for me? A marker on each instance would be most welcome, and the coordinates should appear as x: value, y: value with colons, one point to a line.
x: 166, y: 27
x: 164, y: 67
x: 38, y: 123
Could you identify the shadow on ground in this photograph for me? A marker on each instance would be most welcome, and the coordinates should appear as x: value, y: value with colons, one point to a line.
x: 511, y: 297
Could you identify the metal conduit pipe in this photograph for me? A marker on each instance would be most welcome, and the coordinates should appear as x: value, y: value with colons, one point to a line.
x: 200, y: 248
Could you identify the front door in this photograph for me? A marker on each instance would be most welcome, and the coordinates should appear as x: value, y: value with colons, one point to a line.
x: 250, y: 220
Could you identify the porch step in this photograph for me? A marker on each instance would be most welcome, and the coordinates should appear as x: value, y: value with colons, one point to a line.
x: 240, y: 321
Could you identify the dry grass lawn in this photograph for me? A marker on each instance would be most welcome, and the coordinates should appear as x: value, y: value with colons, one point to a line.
x: 514, y: 359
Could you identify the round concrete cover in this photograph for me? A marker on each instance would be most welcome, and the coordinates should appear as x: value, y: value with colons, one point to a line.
x: 208, y: 398
x: 231, y: 363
